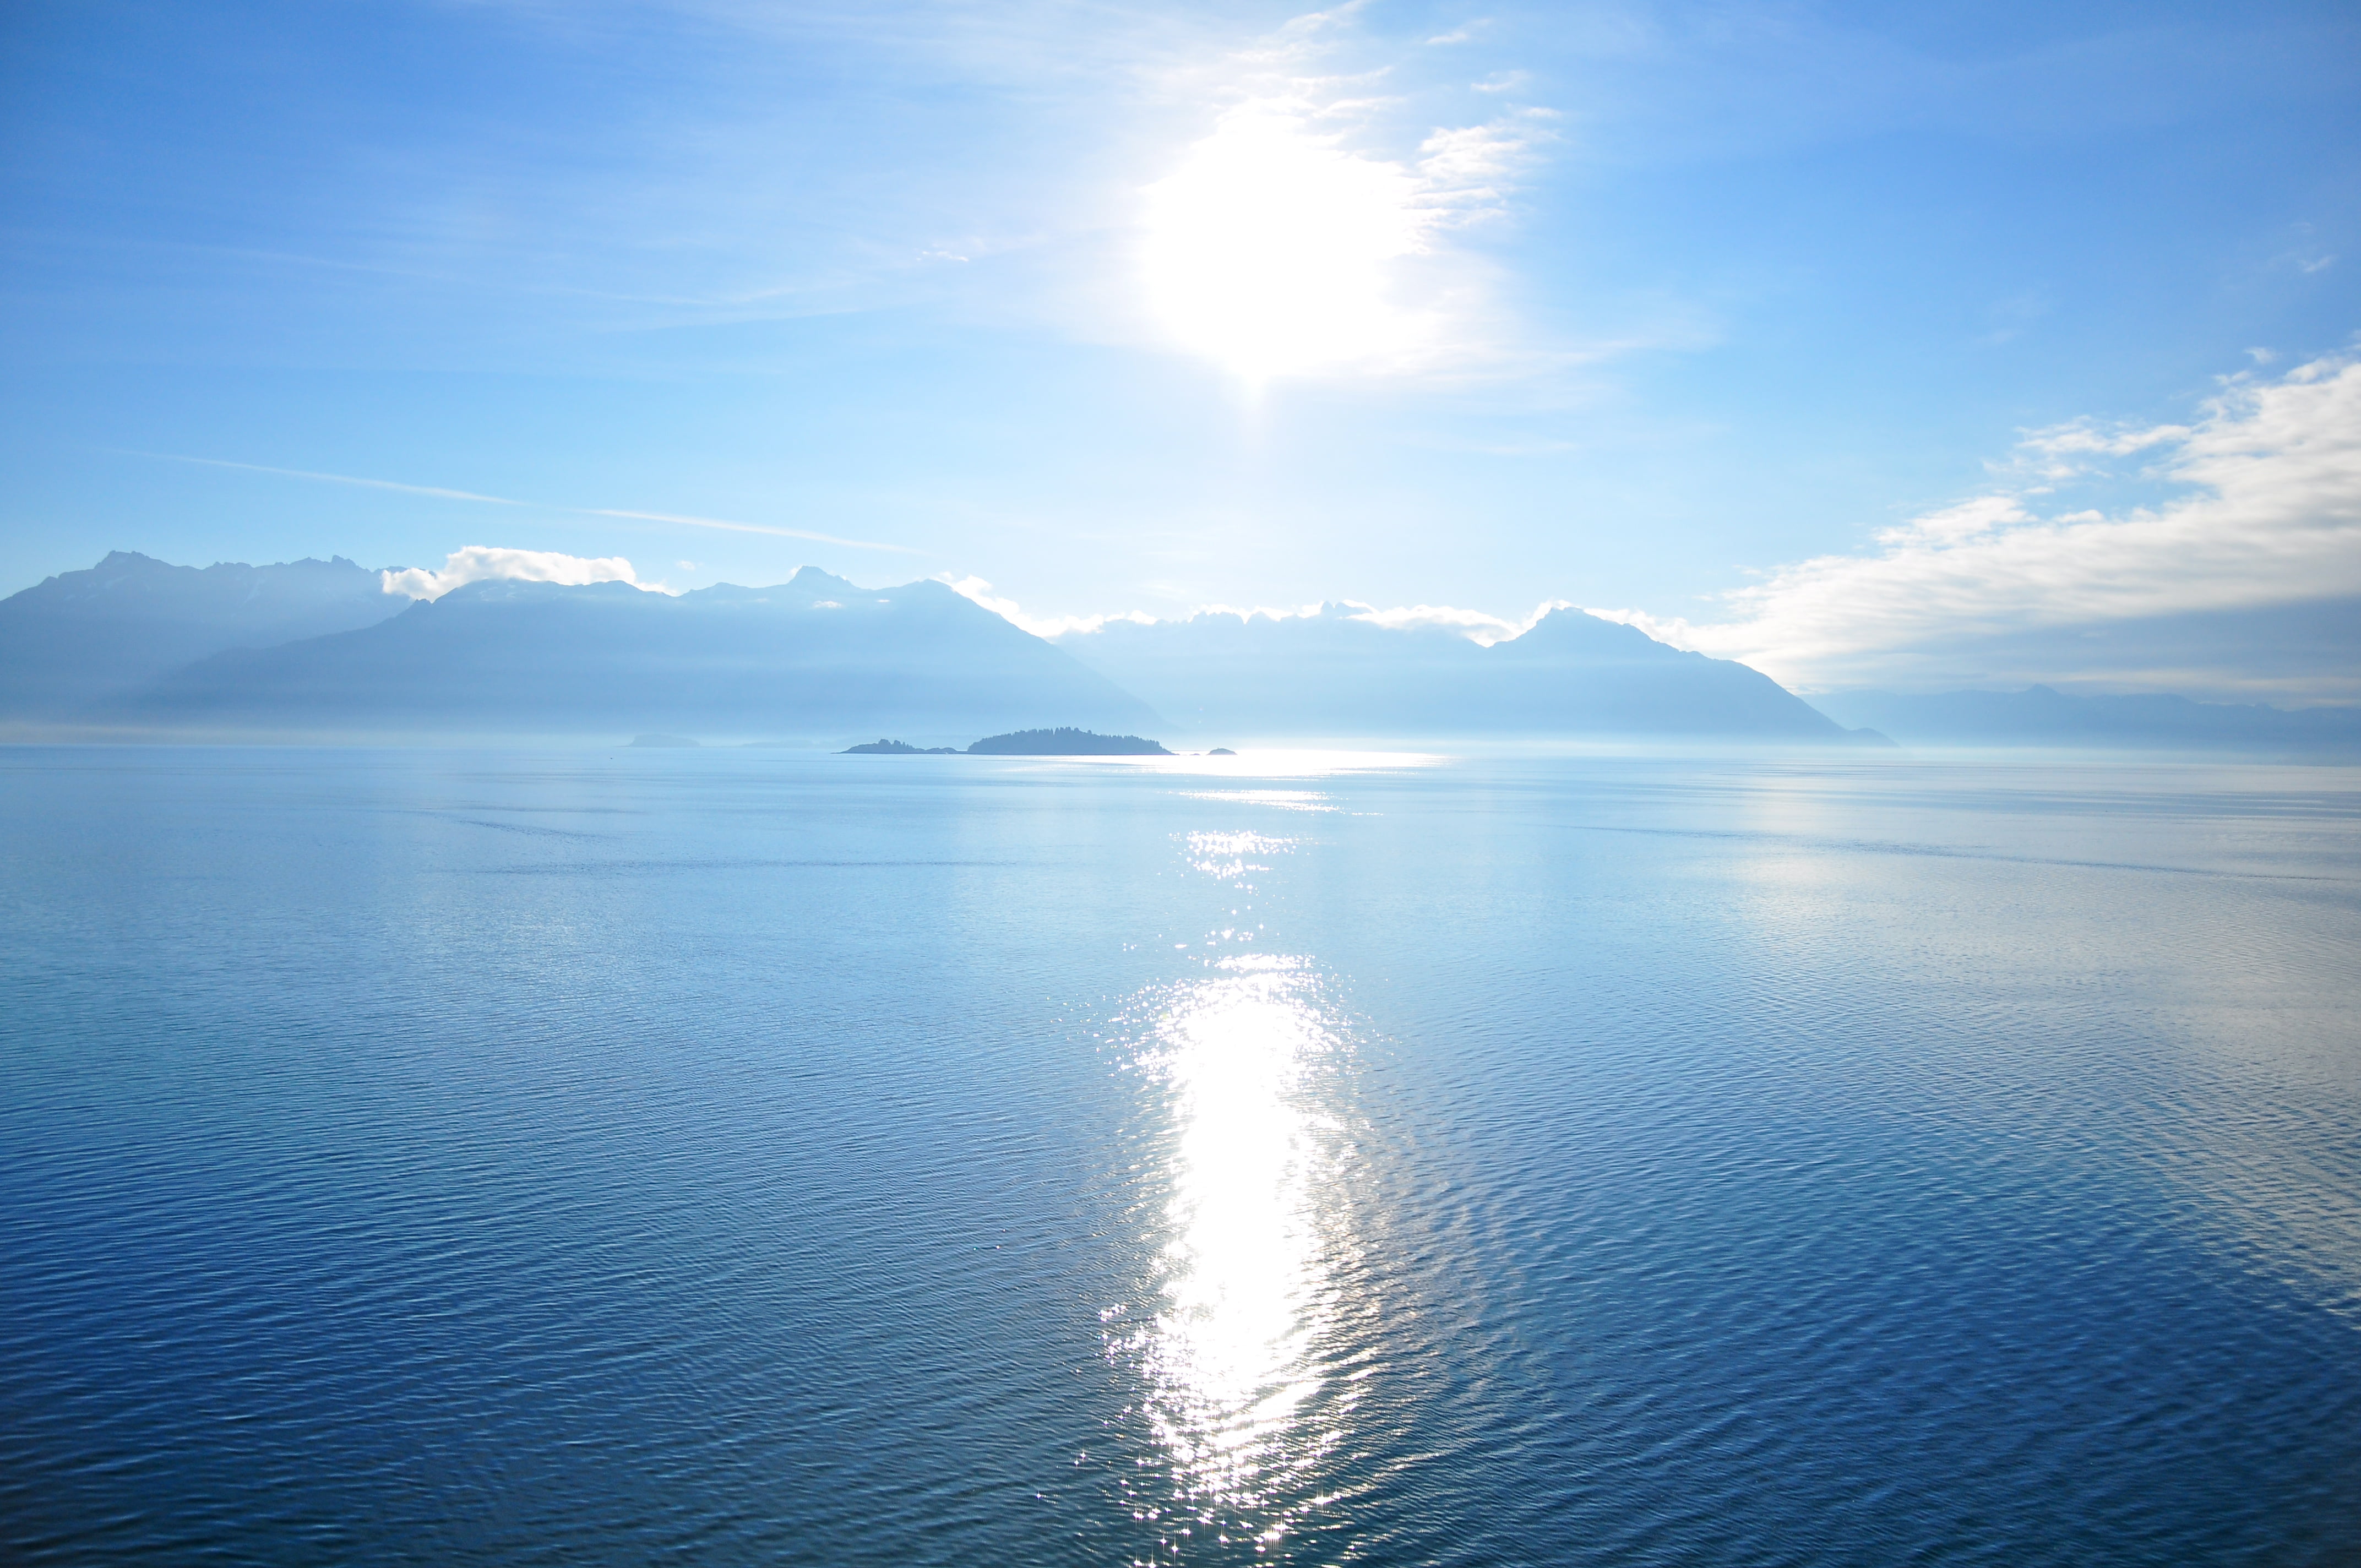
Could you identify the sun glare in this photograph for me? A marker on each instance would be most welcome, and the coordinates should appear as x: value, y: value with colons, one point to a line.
x: 1268, y: 249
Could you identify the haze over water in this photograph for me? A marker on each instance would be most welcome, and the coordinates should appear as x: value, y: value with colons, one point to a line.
x: 502, y: 1157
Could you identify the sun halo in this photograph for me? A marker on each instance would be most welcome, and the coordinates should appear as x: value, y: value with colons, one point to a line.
x: 1269, y: 249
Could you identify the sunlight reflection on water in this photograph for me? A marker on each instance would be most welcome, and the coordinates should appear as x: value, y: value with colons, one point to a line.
x: 1246, y: 1276
x: 1227, y: 857
x: 1283, y: 799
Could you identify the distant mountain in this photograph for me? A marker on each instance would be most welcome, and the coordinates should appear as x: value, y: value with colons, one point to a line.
x: 83, y: 637
x: 2040, y: 716
x: 1065, y: 742
x: 815, y: 658
x: 1336, y: 675
x: 318, y: 649
x: 897, y: 749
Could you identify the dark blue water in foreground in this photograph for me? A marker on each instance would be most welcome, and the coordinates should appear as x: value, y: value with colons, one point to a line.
x: 753, y: 1157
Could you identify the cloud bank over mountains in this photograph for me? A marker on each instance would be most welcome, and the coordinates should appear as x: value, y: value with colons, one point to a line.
x: 2010, y: 586
x: 2219, y: 557
x: 485, y: 563
x: 2237, y: 575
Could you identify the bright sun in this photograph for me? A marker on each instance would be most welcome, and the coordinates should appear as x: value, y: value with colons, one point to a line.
x: 1267, y: 250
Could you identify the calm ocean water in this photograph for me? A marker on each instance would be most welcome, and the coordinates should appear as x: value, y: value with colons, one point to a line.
x: 737, y: 1157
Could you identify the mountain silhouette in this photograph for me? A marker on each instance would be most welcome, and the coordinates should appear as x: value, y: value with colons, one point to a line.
x: 317, y: 648
x: 813, y: 658
x: 1336, y: 674
x: 80, y: 638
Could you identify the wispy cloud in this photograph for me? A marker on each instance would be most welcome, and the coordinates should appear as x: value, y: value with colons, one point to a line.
x: 728, y: 526
x: 436, y: 491
x: 987, y: 162
x: 2269, y: 514
x: 440, y: 493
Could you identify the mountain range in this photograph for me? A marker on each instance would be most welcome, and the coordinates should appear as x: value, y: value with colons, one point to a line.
x: 81, y: 638
x: 135, y: 647
x: 814, y: 657
x: 1338, y: 673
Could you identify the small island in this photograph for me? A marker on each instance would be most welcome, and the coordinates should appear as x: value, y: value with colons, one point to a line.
x: 897, y: 749
x: 1065, y: 742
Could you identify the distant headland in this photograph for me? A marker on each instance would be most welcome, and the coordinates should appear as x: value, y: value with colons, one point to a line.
x: 1063, y: 741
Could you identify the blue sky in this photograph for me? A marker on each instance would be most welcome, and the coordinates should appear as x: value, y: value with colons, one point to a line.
x: 1937, y: 344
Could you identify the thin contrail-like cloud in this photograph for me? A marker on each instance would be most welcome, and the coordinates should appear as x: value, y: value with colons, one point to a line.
x: 440, y: 494
x: 744, y: 528
x: 346, y: 479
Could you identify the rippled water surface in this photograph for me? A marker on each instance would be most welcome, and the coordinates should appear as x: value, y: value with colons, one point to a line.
x: 753, y: 1156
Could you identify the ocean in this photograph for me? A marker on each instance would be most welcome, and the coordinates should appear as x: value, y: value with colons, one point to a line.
x: 511, y: 1157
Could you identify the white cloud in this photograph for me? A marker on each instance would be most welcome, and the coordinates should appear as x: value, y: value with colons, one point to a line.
x: 482, y: 563
x: 1674, y: 630
x: 977, y: 589
x: 2071, y: 450
x: 2269, y: 513
x: 1244, y: 613
x: 1476, y: 625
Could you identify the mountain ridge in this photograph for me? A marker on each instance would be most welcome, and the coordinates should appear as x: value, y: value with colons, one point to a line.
x: 811, y: 658
x: 137, y: 647
x: 79, y: 637
x: 1337, y: 672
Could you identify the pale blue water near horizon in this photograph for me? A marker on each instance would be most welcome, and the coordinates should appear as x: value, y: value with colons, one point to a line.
x: 734, y: 1157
